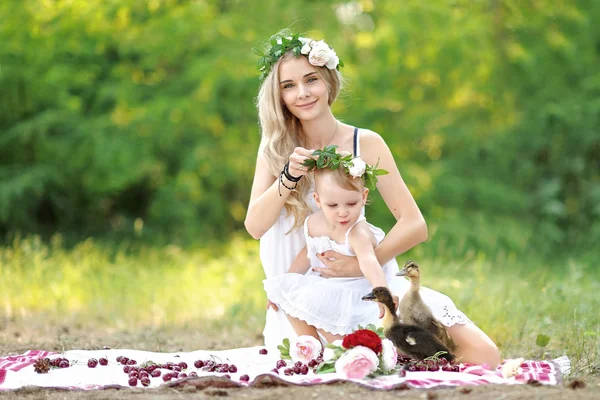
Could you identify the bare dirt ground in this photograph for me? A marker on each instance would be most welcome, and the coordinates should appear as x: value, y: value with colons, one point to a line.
x: 18, y: 336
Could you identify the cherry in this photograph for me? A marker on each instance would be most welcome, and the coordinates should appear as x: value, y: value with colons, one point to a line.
x: 167, y: 377
x: 145, y: 381
x: 232, y: 369
x: 304, y: 369
x: 63, y: 364
x: 183, y: 365
x: 402, y: 373
x: 124, y: 360
x: 133, y: 381
x: 131, y: 362
x: 103, y: 361
x: 155, y: 373
x: 193, y: 374
x: 281, y: 364
x: 92, y: 362
x: 182, y: 375
x: 275, y: 370
x: 262, y: 351
x: 198, y: 363
x: 126, y: 369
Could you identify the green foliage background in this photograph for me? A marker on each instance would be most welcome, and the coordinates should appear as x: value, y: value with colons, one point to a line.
x: 127, y: 118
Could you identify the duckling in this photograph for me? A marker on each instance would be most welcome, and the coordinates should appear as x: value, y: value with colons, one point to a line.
x: 411, y: 340
x: 414, y: 311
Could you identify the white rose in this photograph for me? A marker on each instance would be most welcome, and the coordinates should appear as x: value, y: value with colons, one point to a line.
x: 389, y: 355
x: 358, y: 167
x: 320, y: 54
x: 357, y: 363
x: 333, y: 61
x: 329, y: 354
x: 305, y: 348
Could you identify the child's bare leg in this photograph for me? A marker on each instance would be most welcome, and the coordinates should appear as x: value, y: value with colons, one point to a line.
x: 330, y: 337
x: 302, y: 327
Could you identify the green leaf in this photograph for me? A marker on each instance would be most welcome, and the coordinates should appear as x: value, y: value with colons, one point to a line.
x: 326, y: 368
x: 286, y: 343
x: 542, y: 340
x: 283, y: 349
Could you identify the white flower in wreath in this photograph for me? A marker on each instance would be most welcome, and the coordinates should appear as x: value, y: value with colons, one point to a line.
x: 305, y: 46
x: 333, y: 61
x: 358, y: 167
x: 320, y: 54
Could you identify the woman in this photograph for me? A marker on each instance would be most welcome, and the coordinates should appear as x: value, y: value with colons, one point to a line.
x: 301, y: 82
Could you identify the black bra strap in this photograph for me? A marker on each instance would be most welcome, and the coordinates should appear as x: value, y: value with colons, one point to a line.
x: 355, y: 141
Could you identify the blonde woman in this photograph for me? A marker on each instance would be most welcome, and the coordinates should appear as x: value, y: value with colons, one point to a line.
x: 300, y: 83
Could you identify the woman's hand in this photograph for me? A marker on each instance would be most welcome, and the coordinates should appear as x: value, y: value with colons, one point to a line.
x: 338, y: 265
x: 272, y: 305
x: 297, y: 158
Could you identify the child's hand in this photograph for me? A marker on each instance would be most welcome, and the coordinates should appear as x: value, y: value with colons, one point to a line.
x: 272, y: 305
x: 382, y: 310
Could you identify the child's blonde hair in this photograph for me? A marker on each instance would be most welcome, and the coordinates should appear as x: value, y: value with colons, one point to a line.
x: 281, y: 132
x: 344, y: 180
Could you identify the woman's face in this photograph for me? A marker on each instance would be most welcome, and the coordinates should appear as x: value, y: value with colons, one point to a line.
x: 303, y: 91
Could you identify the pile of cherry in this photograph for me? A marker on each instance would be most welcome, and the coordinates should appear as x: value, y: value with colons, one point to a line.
x: 430, y: 364
x: 168, y: 371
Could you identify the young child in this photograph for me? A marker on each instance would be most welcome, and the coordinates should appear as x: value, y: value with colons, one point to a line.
x: 332, y: 307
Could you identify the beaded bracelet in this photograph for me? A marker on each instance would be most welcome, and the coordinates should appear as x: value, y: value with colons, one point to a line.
x: 286, y: 172
x: 281, y: 182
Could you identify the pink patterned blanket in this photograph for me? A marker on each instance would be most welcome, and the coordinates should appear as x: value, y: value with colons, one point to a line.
x: 244, y: 367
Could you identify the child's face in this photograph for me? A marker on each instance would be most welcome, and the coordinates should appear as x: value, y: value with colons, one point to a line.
x: 341, y: 207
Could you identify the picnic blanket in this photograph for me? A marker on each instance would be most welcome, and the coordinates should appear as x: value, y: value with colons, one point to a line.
x: 17, y: 371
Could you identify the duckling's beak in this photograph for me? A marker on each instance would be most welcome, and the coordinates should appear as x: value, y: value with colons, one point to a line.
x: 369, y: 297
x: 402, y: 272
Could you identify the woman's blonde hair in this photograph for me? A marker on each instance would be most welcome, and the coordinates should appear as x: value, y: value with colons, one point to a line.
x: 281, y: 132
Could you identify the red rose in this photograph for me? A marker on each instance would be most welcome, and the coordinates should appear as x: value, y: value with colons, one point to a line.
x: 363, y: 337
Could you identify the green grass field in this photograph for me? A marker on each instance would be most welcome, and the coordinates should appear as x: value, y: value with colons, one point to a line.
x: 519, y: 302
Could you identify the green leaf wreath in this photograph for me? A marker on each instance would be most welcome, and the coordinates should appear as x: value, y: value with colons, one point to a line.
x: 330, y: 158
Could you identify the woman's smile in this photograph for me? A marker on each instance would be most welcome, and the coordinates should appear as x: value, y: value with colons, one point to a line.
x: 308, y: 105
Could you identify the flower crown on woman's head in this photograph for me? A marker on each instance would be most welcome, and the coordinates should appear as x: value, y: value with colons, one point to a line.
x: 353, y: 166
x: 319, y: 53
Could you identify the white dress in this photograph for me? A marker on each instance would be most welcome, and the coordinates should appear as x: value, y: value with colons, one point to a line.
x: 278, y: 250
x: 331, y: 304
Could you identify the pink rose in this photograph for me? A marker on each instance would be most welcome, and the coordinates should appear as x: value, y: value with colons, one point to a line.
x: 357, y: 363
x: 305, y: 348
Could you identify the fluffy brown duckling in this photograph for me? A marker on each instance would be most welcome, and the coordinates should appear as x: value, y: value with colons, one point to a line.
x: 411, y: 340
x: 414, y: 311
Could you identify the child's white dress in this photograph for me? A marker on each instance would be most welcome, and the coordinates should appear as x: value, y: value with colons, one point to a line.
x: 334, y: 304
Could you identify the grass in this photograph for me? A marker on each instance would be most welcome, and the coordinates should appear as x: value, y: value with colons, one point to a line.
x: 518, y: 301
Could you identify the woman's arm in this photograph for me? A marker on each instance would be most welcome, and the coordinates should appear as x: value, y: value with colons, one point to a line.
x: 410, y: 228
x: 265, y: 202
